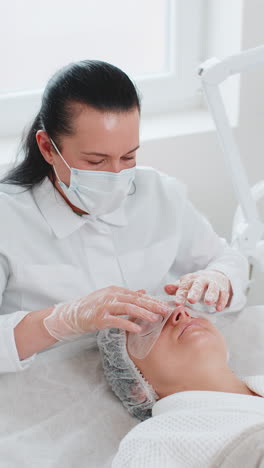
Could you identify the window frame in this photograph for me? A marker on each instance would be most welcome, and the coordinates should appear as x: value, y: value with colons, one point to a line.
x: 160, y: 93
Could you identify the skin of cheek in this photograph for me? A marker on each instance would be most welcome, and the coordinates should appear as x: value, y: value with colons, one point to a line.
x: 62, y: 170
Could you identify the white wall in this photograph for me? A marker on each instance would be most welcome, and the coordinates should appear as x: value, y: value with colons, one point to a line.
x: 197, y: 159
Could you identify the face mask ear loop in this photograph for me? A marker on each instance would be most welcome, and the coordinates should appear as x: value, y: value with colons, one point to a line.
x: 59, y: 153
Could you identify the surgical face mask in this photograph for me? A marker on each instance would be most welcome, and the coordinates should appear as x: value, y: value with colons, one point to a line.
x: 140, y: 344
x: 96, y: 192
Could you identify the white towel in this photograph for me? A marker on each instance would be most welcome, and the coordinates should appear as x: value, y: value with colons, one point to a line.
x: 246, y: 450
x: 189, y: 429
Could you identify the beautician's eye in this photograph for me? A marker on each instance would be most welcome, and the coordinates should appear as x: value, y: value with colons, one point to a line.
x: 95, y: 163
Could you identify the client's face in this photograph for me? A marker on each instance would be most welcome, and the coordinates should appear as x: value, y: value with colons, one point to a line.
x: 186, y: 348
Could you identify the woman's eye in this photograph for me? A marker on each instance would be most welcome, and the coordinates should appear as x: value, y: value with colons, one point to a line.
x: 94, y: 163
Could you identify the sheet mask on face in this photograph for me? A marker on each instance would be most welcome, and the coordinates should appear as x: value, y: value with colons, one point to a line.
x: 96, y: 192
x: 140, y: 344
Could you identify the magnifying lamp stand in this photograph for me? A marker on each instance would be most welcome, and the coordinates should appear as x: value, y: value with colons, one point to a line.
x: 212, y: 73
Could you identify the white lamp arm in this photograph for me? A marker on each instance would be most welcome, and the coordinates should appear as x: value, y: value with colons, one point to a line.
x: 212, y: 73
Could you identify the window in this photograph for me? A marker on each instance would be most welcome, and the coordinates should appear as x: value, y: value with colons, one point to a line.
x: 130, y: 34
x: 157, y: 42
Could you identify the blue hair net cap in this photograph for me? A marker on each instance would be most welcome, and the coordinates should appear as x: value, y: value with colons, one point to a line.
x: 126, y: 381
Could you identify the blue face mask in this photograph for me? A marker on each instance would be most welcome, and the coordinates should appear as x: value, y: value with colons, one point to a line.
x: 96, y: 192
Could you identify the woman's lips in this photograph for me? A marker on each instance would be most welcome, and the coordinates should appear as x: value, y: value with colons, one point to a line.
x: 191, y: 324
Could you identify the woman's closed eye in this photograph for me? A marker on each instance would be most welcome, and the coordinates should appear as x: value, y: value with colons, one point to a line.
x: 96, y: 163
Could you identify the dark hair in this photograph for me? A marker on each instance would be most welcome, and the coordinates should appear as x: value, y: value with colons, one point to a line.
x: 90, y: 82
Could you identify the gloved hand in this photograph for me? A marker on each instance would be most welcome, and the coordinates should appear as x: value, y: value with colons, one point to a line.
x: 214, y: 284
x: 102, y: 309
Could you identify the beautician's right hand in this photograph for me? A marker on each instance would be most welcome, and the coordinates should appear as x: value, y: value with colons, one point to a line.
x: 102, y: 309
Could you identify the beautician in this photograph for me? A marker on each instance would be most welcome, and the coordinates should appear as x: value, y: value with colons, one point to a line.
x: 86, y: 236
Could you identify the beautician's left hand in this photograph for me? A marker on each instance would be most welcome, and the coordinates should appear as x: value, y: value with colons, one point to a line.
x: 191, y: 287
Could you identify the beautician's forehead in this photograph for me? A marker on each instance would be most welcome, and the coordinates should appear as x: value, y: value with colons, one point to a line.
x: 113, y: 133
x: 92, y: 121
x: 110, y: 120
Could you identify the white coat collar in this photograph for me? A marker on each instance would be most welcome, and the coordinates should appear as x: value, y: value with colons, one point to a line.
x: 117, y: 217
x: 61, y: 218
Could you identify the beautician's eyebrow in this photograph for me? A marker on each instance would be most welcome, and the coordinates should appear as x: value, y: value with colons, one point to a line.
x: 107, y: 155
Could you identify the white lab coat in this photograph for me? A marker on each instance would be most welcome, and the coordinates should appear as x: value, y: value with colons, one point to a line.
x: 48, y: 254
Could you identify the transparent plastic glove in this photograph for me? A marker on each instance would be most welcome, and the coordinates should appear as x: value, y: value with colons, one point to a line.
x: 103, y: 309
x: 213, y: 285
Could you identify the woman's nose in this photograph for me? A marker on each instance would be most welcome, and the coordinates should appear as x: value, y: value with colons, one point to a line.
x: 115, y: 169
x: 115, y: 166
x: 179, y: 314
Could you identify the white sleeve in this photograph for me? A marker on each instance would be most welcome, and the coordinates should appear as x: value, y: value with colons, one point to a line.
x: 201, y: 248
x: 9, y: 359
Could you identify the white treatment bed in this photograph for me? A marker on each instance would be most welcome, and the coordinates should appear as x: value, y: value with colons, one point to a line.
x: 60, y: 413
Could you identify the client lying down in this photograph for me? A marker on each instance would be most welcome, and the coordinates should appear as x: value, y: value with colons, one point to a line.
x: 177, y: 371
